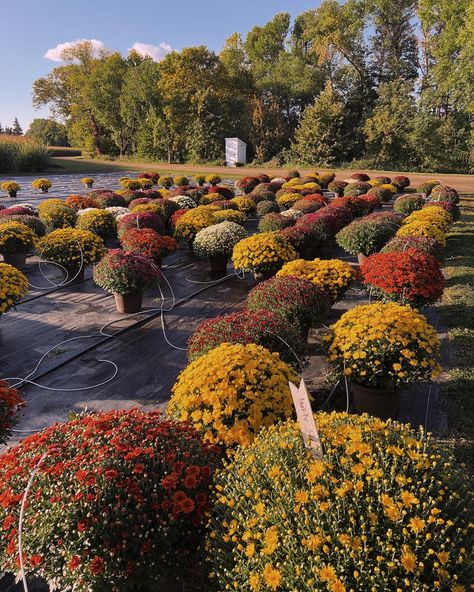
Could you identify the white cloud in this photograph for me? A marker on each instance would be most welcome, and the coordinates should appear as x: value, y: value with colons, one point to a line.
x: 54, y: 53
x: 156, y: 52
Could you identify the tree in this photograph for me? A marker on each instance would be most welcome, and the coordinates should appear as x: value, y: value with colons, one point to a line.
x: 49, y: 132
x: 17, y: 130
x: 388, y: 129
x: 318, y: 138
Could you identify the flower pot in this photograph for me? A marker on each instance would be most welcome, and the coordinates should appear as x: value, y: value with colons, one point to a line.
x: 128, y: 303
x: 88, y: 185
x: 361, y: 258
x: 44, y: 191
x: 12, y: 193
x: 18, y: 260
x: 75, y: 274
x: 382, y: 403
x: 218, y: 265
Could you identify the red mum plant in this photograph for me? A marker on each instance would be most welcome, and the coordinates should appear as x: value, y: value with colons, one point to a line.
x: 337, y: 187
x: 356, y: 204
x: 298, y: 301
x: 421, y: 243
x: 274, y: 221
x: 408, y: 277
x: 307, y: 206
x: 263, y: 327
x: 335, y: 217
x: 109, y: 200
x: 79, y: 202
x: 247, y: 184
x: 16, y: 211
x: 138, y: 201
x: 226, y: 192
x: 360, y: 177
x: 154, y: 176
x: 140, y: 220
x: 10, y: 402
x: 175, y: 217
x: 263, y: 178
x: 148, y: 243
x: 401, y: 182
x: 118, y: 503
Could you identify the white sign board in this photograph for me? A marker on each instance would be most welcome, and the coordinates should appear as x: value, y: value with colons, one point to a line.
x: 305, y: 417
x: 235, y: 151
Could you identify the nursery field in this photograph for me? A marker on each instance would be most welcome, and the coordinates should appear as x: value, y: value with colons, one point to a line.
x: 201, y: 297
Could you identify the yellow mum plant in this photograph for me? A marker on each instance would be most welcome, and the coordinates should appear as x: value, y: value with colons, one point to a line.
x: 156, y: 208
x: 231, y: 392
x: 100, y: 222
x: 288, y: 199
x: 265, y: 252
x: 383, y: 510
x: 331, y: 275
x: 67, y: 246
x: 55, y: 213
x: 230, y: 216
x: 209, y: 198
x: 13, y: 287
x: 291, y: 183
x: 388, y: 187
x: 244, y: 204
x: 190, y: 223
x: 11, y: 187
x: 384, y: 345
x: 423, y: 228
x: 43, y: 184
x: 16, y: 238
x: 434, y: 214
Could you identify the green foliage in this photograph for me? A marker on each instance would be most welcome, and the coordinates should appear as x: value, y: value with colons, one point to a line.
x: 48, y: 132
x: 22, y: 156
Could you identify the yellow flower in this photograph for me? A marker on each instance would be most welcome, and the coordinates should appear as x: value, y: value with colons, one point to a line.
x: 417, y: 524
x: 272, y: 577
x: 327, y: 573
x: 408, y: 560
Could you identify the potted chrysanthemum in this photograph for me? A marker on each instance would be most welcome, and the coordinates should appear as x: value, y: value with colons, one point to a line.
x: 43, y: 184
x: 88, y: 182
x: 11, y: 187
x: 127, y: 276
x: 216, y: 243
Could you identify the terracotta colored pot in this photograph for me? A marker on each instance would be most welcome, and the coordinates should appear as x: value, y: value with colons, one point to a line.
x: 18, y: 260
x: 128, y: 303
x: 218, y: 265
x: 382, y: 403
x: 361, y: 258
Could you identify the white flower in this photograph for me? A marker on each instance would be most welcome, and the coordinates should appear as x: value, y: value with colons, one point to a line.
x: 291, y: 213
x: 279, y: 180
x: 184, y: 202
x: 218, y: 240
x: 118, y: 211
x: 28, y: 206
x: 81, y: 212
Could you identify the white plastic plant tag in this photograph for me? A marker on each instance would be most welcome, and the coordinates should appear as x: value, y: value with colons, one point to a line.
x: 305, y: 417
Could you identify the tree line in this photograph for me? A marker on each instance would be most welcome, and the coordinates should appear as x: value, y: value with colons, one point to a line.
x: 381, y: 83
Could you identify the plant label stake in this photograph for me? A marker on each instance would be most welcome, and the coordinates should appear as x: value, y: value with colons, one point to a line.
x: 306, y: 419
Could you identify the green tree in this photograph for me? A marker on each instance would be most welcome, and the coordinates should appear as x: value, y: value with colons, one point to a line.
x: 17, y: 130
x: 389, y: 128
x: 318, y: 138
x: 48, y: 131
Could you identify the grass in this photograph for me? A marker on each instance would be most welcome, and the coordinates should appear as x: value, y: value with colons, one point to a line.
x: 456, y: 311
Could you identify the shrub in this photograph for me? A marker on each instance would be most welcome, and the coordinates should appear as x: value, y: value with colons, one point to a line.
x: 356, y: 204
x: 247, y: 184
x: 19, y: 154
x: 244, y: 204
x: 408, y: 277
x: 262, y: 253
x: 16, y: 237
x: 34, y: 223
x: 218, y: 240
x: 56, y: 214
x: 10, y: 402
x: 334, y: 217
x: 130, y: 184
x: 69, y: 246
x: 180, y: 180
x: 99, y: 222
x: 325, y: 178
x: 314, y: 230
x: 356, y: 188
x: 229, y: 215
x: 384, y: 194
x: 138, y: 202
x: 153, y: 175
x: 225, y: 192
x: 337, y: 187
x: 165, y: 181
x: 43, y: 184
x: 273, y: 221
x: 229, y: 403
x: 263, y: 195
x: 87, y: 181
x: 213, y: 179
x: 333, y: 276
x: 288, y: 199
x: 307, y: 206
x: 450, y: 207
x: 166, y: 208
x: 148, y: 243
x: 383, y: 510
x: 444, y: 193
x: 123, y: 272
x: 192, y: 222
x: 401, y: 182
x: 365, y: 236
x: 14, y: 287
x: 140, y: 220
x: 400, y: 346
x: 372, y: 202
x: 423, y: 228
x: 116, y: 490
x: 427, y: 187
x: 363, y: 177
x: 10, y: 187
x: 200, y: 179
x: 107, y: 200
x: 209, y: 198
x: 175, y: 217
x: 421, y: 243
x: 299, y: 301
x: 266, y: 207
x: 268, y: 329
x: 79, y: 202
x: 406, y: 204
x: 16, y: 211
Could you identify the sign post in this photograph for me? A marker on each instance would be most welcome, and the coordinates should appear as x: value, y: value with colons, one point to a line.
x: 305, y: 417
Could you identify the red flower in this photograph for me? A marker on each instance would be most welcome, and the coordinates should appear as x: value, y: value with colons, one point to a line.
x: 187, y: 505
x: 74, y: 562
x: 97, y: 565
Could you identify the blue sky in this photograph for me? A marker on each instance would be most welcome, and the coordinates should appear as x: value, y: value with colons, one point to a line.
x: 32, y: 27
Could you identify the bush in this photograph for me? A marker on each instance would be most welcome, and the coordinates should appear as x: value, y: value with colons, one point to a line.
x: 262, y: 253
x: 225, y: 192
x: 266, y: 207
x: 293, y: 174
x: 10, y: 402
x: 43, y: 184
x: 400, y: 346
x: 363, y: 177
x: 427, y: 187
x: 244, y: 204
x: 299, y: 301
x: 14, y: 287
x: 148, y: 243
x: 16, y: 237
x: 153, y: 175
x: 99, y: 222
x: 22, y: 155
x: 450, y: 207
x: 383, y: 510
x: 268, y: 329
x: 57, y: 151
x: 365, y: 236
x: 406, y: 204
x: 307, y: 206
x: 421, y: 243
x: 408, y: 277
x: 200, y: 179
x: 212, y: 179
x: 69, y: 246
x: 288, y: 199
x: 334, y: 217
x: 116, y: 490
x: 247, y: 184
x: 10, y: 187
x: 36, y: 225
x: 218, y: 240
x: 384, y: 194
x: 229, y: 403
x: 209, y: 198
x: 165, y: 181
x: 192, y: 222
x: 314, y: 231
x: 357, y: 188
x: 229, y: 215
x: 356, y: 204
x: 56, y: 214
x: 180, y: 180
x: 372, y: 202
x: 273, y: 221
x: 79, y: 202
x: 444, y: 193
x: 108, y: 200
x: 337, y: 187
x: 184, y: 202
x: 140, y: 220
x: 122, y: 272
x: 401, y: 182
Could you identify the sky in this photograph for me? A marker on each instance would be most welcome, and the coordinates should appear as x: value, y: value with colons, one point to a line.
x: 33, y: 32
